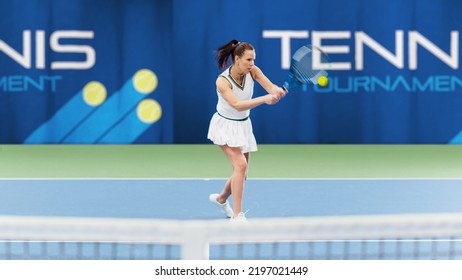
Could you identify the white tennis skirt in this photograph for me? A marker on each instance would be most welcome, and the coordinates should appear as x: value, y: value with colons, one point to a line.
x: 223, y: 131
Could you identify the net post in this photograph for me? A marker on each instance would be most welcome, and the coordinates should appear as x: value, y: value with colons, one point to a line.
x: 195, y: 246
x: 194, y: 241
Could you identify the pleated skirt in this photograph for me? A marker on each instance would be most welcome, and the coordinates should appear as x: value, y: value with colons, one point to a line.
x: 223, y: 131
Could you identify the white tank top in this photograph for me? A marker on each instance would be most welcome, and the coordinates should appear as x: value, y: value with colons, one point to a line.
x: 243, y: 92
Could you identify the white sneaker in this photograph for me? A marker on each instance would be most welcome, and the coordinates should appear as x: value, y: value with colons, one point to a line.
x: 225, y: 208
x: 240, y: 218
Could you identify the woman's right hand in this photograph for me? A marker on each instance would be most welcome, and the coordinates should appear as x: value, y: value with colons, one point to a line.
x: 271, y: 99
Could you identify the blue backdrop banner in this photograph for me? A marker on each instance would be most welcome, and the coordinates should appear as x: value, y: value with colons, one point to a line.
x: 85, y: 72
x: 144, y: 72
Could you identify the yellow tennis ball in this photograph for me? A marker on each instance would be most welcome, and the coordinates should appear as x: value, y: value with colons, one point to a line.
x: 145, y: 81
x: 94, y: 93
x: 323, y: 81
x: 149, y: 111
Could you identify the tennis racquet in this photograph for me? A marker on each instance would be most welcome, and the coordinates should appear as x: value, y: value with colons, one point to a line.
x: 302, y: 70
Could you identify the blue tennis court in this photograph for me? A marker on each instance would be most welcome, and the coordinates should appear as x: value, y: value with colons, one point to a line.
x: 173, y: 219
x: 188, y: 198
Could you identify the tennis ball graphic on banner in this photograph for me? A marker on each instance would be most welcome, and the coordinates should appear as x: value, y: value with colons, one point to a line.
x: 94, y: 93
x: 323, y: 81
x: 145, y: 81
x: 149, y: 111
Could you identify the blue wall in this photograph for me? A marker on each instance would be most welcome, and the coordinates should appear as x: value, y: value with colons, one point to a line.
x: 398, y: 77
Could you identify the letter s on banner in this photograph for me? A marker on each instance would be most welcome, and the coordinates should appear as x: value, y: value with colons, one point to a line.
x: 88, y: 50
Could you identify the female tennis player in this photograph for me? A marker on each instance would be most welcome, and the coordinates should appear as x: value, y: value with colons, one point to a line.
x: 230, y: 127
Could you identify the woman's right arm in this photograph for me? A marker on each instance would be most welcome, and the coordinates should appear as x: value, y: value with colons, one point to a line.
x: 224, y: 88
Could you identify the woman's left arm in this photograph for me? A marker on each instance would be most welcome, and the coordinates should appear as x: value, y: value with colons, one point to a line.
x: 266, y: 83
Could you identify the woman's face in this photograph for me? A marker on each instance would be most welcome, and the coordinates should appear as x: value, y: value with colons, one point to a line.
x: 246, y: 61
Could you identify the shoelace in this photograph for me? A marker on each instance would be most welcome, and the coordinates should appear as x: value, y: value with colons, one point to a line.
x: 242, y: 214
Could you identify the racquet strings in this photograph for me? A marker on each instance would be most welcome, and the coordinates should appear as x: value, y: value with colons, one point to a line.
x: 302, y: 65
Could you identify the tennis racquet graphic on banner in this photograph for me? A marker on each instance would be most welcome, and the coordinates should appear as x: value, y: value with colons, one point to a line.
x: 308, y: 66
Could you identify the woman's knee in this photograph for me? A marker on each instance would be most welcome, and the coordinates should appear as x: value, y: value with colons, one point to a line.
x: 240, y: 166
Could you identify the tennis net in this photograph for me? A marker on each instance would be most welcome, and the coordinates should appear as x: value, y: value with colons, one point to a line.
x: 422, y: 236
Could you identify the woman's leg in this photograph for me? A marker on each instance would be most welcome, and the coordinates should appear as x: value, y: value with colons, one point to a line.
x: 235, y: 184
x: 227, y: 188
x: 225, y: 193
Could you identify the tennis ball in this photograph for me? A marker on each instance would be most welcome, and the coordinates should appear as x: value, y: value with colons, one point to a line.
x: 145, y: 81
x: 94, y: 93
x: 323, y: 81
x: 149, y: 111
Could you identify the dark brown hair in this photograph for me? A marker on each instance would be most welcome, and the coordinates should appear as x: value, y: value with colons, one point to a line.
x: 232, y: 48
